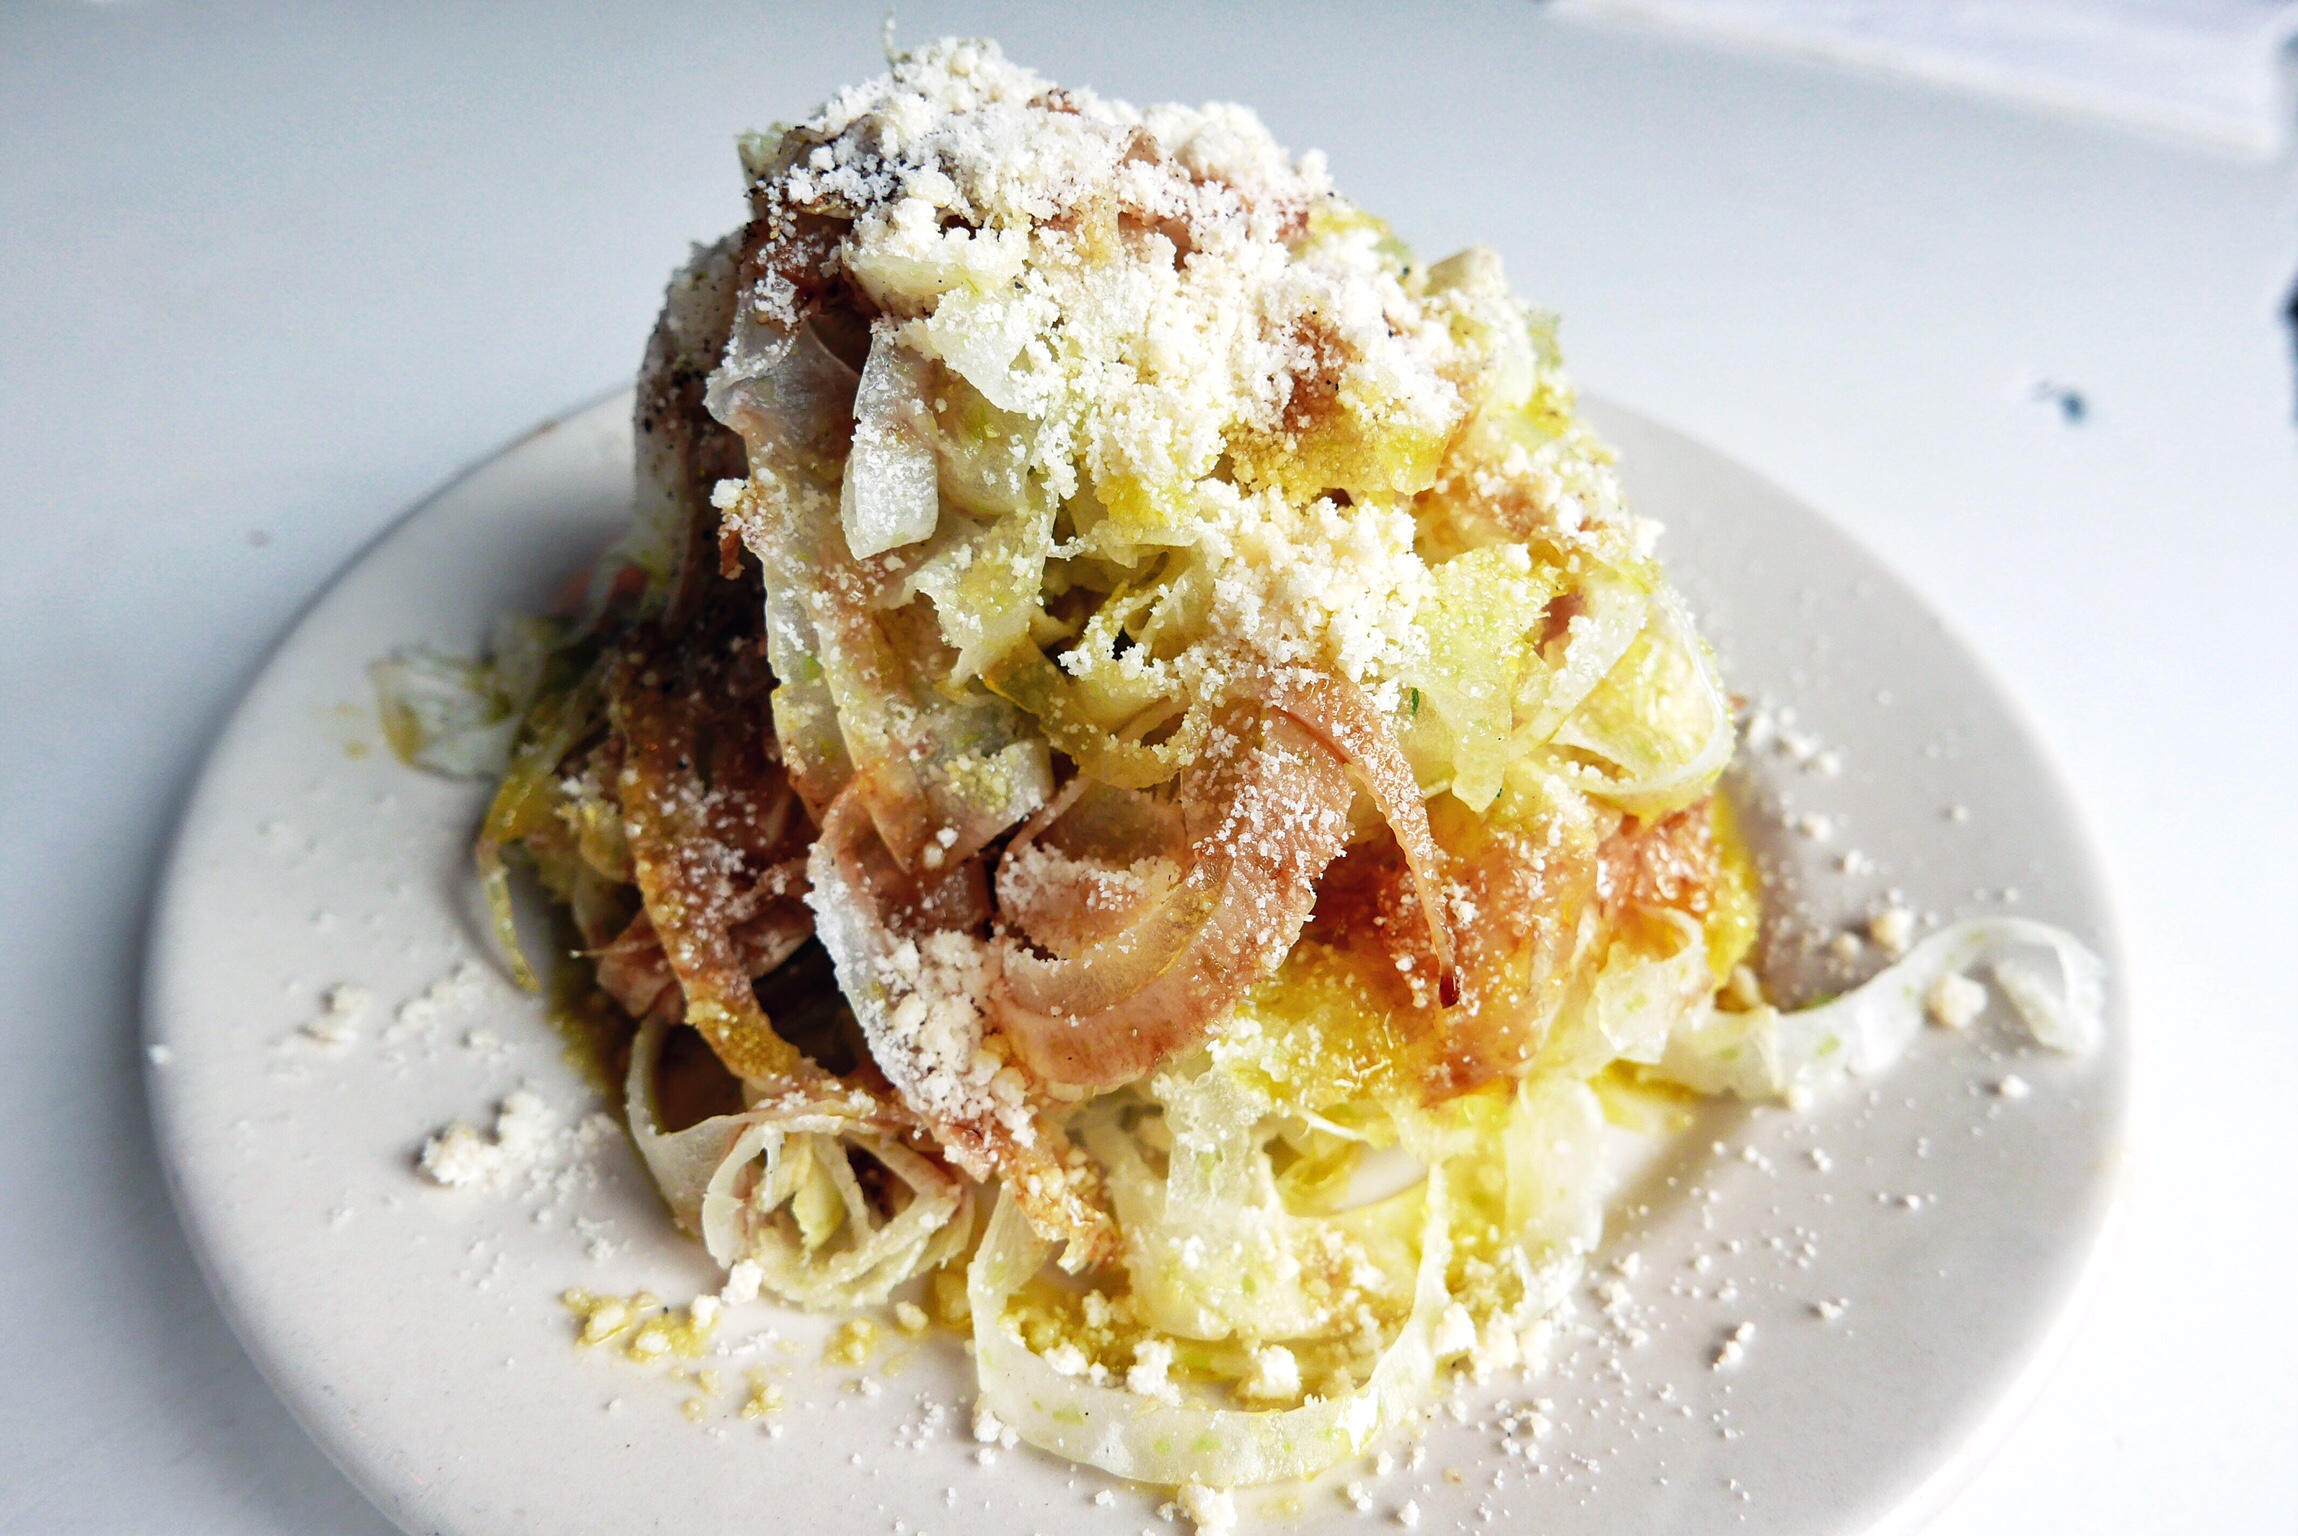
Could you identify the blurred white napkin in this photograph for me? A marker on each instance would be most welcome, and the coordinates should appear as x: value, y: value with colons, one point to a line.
x: 2207, y: 69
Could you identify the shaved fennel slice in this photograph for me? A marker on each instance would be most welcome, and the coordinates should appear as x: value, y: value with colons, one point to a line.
x: 1616, y: 610
x: 890, y: 495
x: 984, y: 579
x: 2061, y: 1000
x: 459, y: 718
x: 830, y: 1249
x: 1660, y: 717
x: 1636, y: 1003
x: 682, y: 1162
x: 1210, y: 1248
x: 791, y: 400
x: 1153, y: 1441
x: 805, y: 1221
x: 1553, y: 1153
x: 1480, y: 619
x: 438, y: 713
x: 2059, y: 995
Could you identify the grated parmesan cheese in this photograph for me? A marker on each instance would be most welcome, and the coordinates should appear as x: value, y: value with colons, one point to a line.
x: 1213, y: 1510
x: 1276, y: 1375
x: 462, y: 1156
x: 1147, y: 1376
x: 934, y: 1049
x: 1892, y: 930
x: 1455, y: 1332
x: 1955, y: 1001
x: 743, y: 1282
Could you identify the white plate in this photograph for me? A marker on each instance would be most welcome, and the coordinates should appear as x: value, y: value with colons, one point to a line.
x: 417, y: 1332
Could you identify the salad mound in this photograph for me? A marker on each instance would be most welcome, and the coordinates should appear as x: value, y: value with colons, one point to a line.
x: 1133, y: 734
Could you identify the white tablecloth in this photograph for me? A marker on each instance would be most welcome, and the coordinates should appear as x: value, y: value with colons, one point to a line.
x: 270, y: 275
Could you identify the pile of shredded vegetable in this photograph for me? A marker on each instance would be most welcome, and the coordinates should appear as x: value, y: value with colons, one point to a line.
x: 1135, y: 736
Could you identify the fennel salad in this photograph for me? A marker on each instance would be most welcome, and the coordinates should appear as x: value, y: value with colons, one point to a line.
x: 1134, y: 786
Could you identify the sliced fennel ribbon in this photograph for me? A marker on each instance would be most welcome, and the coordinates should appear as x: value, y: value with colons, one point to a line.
x: 459, y: 718
x: 889, y: 496
x: 804, y: 1220
x: 2056, y: 986
x: 1660, y: 717
x: 1153, y: 1441
x: 1637, y: 1005
x: 681, y: 1162
x: 802, y: 1217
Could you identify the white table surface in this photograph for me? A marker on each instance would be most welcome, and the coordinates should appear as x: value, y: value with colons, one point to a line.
x: 267, y: 277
